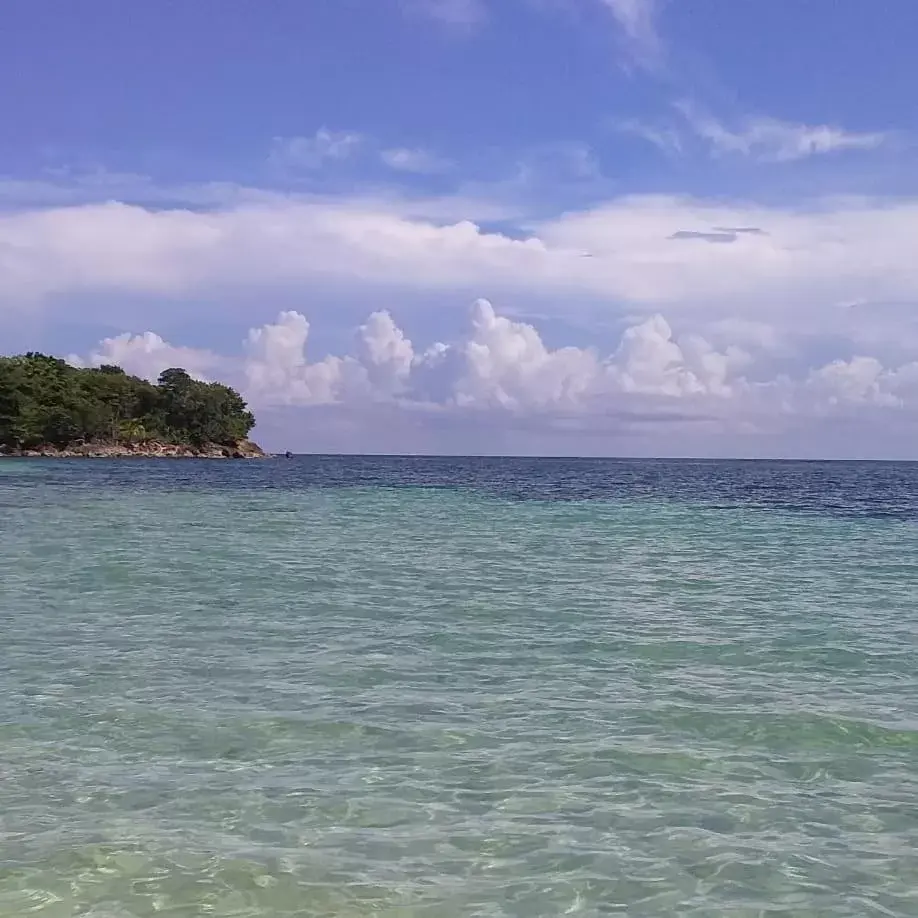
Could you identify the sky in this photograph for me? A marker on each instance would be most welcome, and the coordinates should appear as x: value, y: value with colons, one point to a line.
x: 550, y: 227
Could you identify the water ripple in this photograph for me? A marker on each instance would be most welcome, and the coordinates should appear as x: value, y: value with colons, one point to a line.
x: 458, y: 688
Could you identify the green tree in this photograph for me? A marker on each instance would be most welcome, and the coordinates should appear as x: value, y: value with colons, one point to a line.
x: 45, y: 400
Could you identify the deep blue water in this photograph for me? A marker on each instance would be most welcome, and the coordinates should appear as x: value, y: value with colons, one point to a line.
x: 872, y: 489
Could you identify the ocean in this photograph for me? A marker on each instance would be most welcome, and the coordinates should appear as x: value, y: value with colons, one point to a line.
x: 458, y: 687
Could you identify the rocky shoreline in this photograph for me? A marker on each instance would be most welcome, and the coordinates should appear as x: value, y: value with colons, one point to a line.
x: 153, y: 449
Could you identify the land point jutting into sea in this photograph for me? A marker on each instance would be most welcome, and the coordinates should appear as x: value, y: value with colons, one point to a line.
x: 50, y: 408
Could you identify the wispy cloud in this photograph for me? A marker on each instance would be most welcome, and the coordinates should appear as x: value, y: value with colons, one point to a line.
x: 667, y: 139
x: 313, y: 152
x: 408, y: 159
x: 756, y: 137
x: 637, y: 20
x: 461, y: 14
x: 772, y: 140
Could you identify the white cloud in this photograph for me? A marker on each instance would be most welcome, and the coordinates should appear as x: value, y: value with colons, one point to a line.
x: 789, y: 277
x: 503, y: 369
x: 559, y: 162
x: 650, y: 361
x: 406, y: 159
x: 313, y: 152
x: 758, y: 137
x: 861, y: 380
x: 804, y: 261
x: 123, y: 248
x: 505, y: 364
x: 637, y: 21
x: 147, y: 355
x: 276, y: 369
x: 385, y: 353
x: 663, y: 137
x: 453, y: 13
x: 773, y: 140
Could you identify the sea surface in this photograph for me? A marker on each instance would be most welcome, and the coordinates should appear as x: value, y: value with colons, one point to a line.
x: 458, y: 687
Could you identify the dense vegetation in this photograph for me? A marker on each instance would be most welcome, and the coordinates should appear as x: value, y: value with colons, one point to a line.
x: 44, y: 400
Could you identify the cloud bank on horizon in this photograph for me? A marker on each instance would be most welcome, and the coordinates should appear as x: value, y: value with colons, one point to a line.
x: 672, y: 271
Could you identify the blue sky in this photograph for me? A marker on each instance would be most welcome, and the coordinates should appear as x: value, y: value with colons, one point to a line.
x: 560, y: 226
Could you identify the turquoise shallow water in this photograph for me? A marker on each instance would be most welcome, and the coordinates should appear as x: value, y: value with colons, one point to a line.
x: 458, y: 688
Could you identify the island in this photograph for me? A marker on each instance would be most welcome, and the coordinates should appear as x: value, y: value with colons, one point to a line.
x: 49, y: 408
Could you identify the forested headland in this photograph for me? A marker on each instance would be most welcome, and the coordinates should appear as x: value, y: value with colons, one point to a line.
x: 48, y: 406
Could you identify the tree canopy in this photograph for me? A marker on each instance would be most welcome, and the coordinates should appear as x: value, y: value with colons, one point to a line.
x: 45, y: 400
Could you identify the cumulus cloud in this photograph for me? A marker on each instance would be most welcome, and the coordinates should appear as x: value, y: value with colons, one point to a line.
x: 502, y: 368
x: 276, y: 369
x: 650, y: 361
x: 385, y: 353
x: 861, y: 380
x: 505, y: 364
x: 147, y: 355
